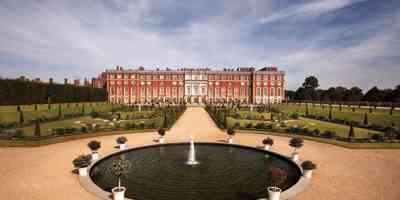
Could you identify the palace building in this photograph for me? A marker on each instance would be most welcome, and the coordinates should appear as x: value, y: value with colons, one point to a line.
x: 194, y: 85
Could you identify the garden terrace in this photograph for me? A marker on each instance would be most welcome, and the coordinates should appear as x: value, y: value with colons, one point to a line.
x: 104, y: 118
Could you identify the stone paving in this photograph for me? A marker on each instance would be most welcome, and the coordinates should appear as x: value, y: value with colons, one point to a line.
x: 44, y: 173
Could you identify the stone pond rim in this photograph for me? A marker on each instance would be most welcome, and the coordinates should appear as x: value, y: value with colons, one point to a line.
x: 235, y: 176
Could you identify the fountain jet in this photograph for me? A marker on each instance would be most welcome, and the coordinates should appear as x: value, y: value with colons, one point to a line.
x: 192, y: 154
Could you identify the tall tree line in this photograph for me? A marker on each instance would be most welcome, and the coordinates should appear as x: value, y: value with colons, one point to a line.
x: 19, y: 92
x: 309, y: 92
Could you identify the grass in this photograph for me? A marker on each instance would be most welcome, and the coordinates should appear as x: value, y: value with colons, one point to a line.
x: 311, y: 124
x: 341, y: 130
x: 47, y: 128
x: 333, y: 142
x: 9, y: 114
x: 48, y: 141
x: 378, y: 116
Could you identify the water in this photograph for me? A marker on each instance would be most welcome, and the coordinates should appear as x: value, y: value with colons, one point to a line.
x: 226, y: 172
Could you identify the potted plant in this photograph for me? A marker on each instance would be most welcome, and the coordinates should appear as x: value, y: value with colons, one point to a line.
x: 120, y: 168
x: 296, y: 143
x: 81, y: 163
x: 94, y: 145
x: 231, y: 133
x: 268, y: 142
x: 121, y: 142
x: 308, y: 167
x: 161, y: 132
x: 277, y: 176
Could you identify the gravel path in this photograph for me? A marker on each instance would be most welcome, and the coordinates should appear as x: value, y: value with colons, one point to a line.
x: 43, y: 173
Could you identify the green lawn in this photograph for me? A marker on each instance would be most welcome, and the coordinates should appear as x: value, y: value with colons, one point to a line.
x: 9, y: 114
x: 341, y: 130
x: 47, y: 128
x: 311, y: 124
x: 244, y: 114
x: 378, y: 116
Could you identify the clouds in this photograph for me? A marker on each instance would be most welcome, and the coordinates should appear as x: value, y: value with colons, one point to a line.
x: 308, y: 10
x: 337, y: 40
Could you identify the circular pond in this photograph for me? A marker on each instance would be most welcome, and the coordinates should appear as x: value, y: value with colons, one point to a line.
x: 224, y: 172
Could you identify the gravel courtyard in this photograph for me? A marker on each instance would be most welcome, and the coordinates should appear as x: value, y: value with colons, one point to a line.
x: 45, y: 173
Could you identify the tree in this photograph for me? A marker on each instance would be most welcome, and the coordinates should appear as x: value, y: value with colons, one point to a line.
x: 311, y: 82
x: 394, y: 95
x: 83, y: 109
x: 120, y: 168
x: 365, y: 122
x: 351, y: 132
x: 354, y: 94
x: 307, y: 113
x: 94, y: 145
x: 35, y: 107
x: 374, y: 95
x: 37, y: 132
x: 18, y: 108
x: 161, y: 132
x: 330, y: 114
x: 296, y: 143
x: 59, y: 111
x: 21, y: 117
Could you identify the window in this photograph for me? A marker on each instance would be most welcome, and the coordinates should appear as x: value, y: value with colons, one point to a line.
x: 148, y: 91
x: 112, y: 90
x: 272, y: 91
x: 265, y: 91
x: 174, y: 91
x: 210, y: 92
x: 188, y: 90
x: 142, y: 92
x: 161, y: 91
x: 279, y: 91
x: 155, y: 92
x: 230, y: 92
x: 236, y: 92
x: 126, y: 91
x: 203, y: 91
x: 242, y: 91
x: 133, y: 93
x: 258, y: 91
x: 180, y: 91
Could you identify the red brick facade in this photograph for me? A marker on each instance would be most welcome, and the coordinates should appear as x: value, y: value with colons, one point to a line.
x: 194, y: 85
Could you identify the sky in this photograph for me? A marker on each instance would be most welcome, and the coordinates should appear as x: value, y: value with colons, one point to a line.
x: 341, y: 42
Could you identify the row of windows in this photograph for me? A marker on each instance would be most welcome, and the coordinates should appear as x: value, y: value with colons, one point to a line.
x: 269, y: 77
x: 147, y: 77
x: 146, y: 91
x: 269, y: 91
x: 194, y: 77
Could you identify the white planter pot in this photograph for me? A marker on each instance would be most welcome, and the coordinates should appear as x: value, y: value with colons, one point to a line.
x: 83, y: 171
x: 230, y: 140
x: 295, y: 157
x: 95, y: 156
x: 161, y: 140
x: 118, y: 193
x: 274, y: 193
x: 121, y: 146
x: 267, y: 147
x: 307, y: 173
